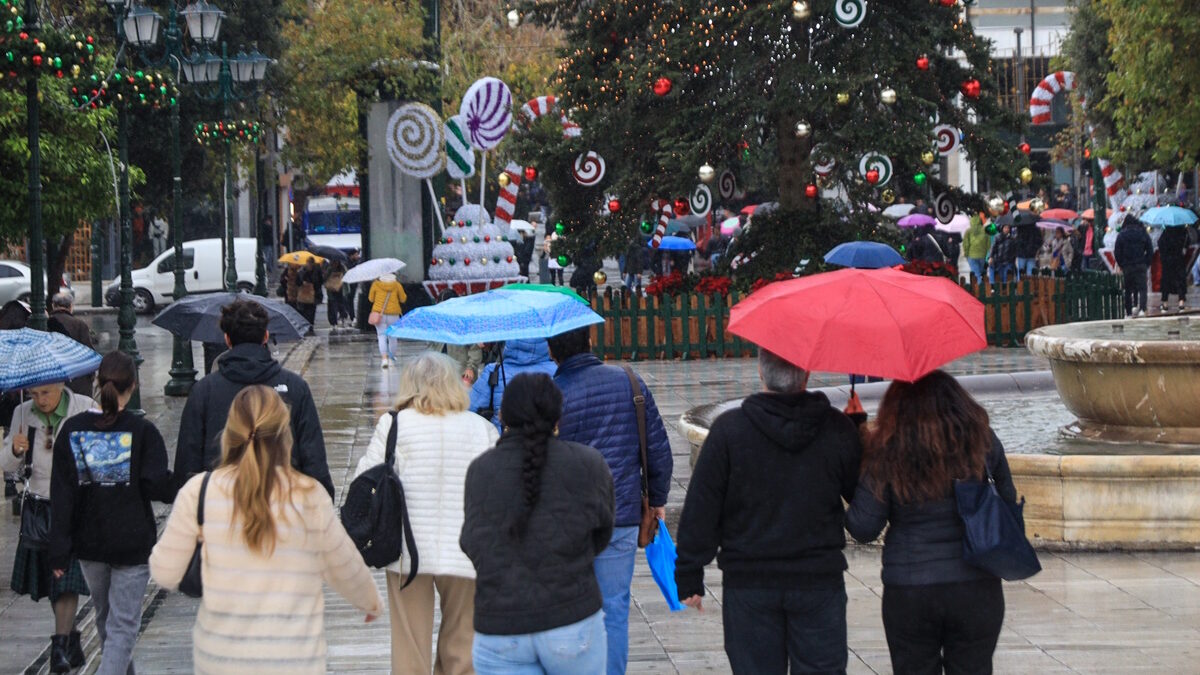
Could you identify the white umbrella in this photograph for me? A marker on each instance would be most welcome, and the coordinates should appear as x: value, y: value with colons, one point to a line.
x: 899, y: 210
x: 521, y: 226
x: 370, y: 270
x: 957, y: 225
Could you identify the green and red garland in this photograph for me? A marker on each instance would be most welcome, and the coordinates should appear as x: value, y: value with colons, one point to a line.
x: 49, y: 52
x: 147, y: 88
x: 230, y: 131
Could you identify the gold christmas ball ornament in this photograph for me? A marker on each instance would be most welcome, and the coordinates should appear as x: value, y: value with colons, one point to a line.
x: 1037, y: 205
x: 843, y: 98
x: 803, y: 129
x: 707, y: 173
x: 888, y: 195
x: 600, y: 278
x: 888, y: 96
x: 503, y: 179
x: 1026, y: 175
x: 927, y: 158
x: 995, y: 205
x: 801, y: 10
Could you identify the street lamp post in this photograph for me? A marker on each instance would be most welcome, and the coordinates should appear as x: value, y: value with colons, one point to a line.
x: 37, y: 244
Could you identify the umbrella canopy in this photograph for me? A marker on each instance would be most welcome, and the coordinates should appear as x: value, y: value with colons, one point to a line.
x: 881, y: 322
x: 521, y: 226
x: 864, y: 255
x: 916, y: 220
x: 1169, y: 216
x: 1059, y: 214
x: 31, y: 358
x: 1053, y: 224
x: 731, y: 226
x: 300, y: 258
x: 675, y: 244
x: 957, y: 225
x: 1089, y: 214
x: 677, y: 226
x: 370, y: 270
x: 330, y: 253
x: 749, y: 210
x: 546, y: 288
x: 898, y: 210
x: 495, y: 316
x: 198, y: 318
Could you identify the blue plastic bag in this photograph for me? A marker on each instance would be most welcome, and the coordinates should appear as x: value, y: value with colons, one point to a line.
x: 660, y: 555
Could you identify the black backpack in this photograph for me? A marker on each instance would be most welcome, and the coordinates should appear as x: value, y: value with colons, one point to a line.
x: 375, y: 514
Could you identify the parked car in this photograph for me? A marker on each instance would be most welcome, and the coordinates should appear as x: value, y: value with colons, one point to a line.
x: 204, y: 272
x: 16, y: 279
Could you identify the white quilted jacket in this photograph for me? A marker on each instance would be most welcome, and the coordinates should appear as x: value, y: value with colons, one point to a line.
x: 432, y: 456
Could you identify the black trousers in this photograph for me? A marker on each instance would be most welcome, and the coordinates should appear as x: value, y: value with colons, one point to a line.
x: 950, y: 628
x: 1135, y: 289
x: 768, y: 630
x: 337, y: 306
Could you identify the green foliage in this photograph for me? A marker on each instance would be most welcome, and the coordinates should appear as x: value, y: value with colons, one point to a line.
x: 742, y: 75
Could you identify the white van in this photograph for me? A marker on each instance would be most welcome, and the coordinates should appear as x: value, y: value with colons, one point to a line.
x: 204, y: 272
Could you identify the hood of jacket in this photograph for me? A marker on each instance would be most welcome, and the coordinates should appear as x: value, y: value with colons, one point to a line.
x: 792, y: 421
x: 248, y: 364
x: 526, y: 352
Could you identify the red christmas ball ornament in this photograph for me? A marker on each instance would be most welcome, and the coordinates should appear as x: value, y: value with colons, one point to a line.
x: 1024, y: 147
x: 1087, y: 153
x: 922, y: 62
x: 948, y: 3
x: 873, y: 176
x: 36, y: 61
x: 531, y: 173
x: 466, y: 261
x: 508, y: 259
x: 487, y: 238
x: 810, y: 190
x: 614, y: 205
x: 972, y: 88
x: 662, y: 86
x: 681, y: 207
x: 695, y: 70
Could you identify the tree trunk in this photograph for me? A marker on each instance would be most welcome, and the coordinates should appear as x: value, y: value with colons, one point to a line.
x: 56, y: 260
x: 795, y: 170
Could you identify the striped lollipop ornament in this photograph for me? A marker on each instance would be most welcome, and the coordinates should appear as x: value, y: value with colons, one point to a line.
x: 1039, y: 112
x: 460, y: 157
x: 544, y: 105
x: 589, y: 169
x: 664, y: 210
x: 487, y: 110
x: 506, y: 201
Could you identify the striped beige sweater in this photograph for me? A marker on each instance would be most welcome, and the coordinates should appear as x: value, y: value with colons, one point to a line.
x: 262, y: 614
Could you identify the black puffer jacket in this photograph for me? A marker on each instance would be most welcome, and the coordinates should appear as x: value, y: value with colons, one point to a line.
x: 1134, y: 249
x: 207, y: 409
x: 545, y: 579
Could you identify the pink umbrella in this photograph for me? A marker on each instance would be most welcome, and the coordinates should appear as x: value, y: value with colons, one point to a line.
x: 916, y: 220
x: 957, y: 225
x: 1053, y: 224
x: 730, y: 225
x: 749, y: 210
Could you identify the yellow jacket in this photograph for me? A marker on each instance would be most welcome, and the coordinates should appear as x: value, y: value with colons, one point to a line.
x: 386, y: 296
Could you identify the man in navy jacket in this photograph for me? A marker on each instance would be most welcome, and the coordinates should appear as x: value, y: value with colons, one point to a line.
x: 598, y: 410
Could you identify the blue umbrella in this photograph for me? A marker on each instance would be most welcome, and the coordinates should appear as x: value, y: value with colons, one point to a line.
x: 1168, y: 216
x: 674, y: 244
x: 31, y: 358
x: 495, y: 316
x: 868, y: 255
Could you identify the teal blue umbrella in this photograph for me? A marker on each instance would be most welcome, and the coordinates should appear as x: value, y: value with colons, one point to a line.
x: 1168, y: 216
x: 495, y: 316
x: 31, y: 358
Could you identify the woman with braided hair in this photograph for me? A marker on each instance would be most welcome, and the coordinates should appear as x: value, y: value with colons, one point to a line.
x: 538, y: 511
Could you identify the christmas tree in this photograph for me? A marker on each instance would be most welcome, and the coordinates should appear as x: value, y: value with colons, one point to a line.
x: 825, y: 106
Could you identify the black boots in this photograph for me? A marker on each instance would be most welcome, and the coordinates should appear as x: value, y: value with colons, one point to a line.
x: 66, y: 653
x: 59, y: 662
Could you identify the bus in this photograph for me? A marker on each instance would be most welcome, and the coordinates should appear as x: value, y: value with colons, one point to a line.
x: 333, y: 221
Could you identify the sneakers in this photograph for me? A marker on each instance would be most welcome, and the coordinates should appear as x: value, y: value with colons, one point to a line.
x: 1182, y: 305
x: 385, y: 363
x: 1162, y: 309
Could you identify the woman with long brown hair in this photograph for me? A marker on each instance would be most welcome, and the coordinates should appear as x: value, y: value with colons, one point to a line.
x: 270, y: 537
x: 939, y: 613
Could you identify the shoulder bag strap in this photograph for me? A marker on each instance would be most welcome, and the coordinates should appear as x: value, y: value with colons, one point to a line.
x: 200, y: 504
x: 410, y: 544
x: 639, y: 404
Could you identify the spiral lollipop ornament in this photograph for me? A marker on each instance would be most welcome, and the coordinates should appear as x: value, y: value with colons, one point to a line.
x: 487, y: 110
x: 849, y: 13
x: 943, y: 208
x: 415, y: 140
x: 700, y: 200
x: 946, y: 139
x: 589, y: 169
x: 727, y: 184
x: 876, y: 161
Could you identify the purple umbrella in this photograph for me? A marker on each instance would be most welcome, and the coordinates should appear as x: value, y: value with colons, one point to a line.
x: 916, y: 220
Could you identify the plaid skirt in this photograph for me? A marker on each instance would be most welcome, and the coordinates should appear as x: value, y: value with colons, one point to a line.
x: 32, y: 576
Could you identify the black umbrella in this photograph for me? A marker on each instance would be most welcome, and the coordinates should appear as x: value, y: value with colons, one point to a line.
x: 330, y: 253
x: 198, y: 317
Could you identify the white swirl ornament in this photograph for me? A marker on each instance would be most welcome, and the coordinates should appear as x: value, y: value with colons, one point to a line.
x: 879, y: 162
x: 700, y: 200
x: 850, y: 13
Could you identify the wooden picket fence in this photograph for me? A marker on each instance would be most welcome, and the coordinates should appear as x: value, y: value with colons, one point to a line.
x: 693, y: 326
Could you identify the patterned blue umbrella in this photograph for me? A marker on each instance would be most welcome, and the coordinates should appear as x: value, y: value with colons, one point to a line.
x: 30, y: 358
x: 495, y: 316
x: 1169, y: 216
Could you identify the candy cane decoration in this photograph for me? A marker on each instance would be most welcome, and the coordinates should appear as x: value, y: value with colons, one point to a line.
x: 543, y: 105
x: 664, y: 210
x: 506, y: 201
x: 1039, y: 112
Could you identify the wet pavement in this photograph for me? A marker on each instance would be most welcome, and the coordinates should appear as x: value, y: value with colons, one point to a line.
x: 1085, y: 613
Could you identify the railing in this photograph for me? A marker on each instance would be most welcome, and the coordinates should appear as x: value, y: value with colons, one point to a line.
x: 691, y: 326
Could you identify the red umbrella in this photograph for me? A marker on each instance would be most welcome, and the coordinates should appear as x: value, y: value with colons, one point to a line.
x: 1088, y: 215
x: 875, y: 322
x: 749, y: 210
x: 1059, y: 214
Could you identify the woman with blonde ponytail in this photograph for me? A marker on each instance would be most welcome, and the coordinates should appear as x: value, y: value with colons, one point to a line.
x: 270, y: 538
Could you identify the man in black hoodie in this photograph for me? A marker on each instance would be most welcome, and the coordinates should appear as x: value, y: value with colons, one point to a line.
x: 247, y: 362
x: 1134, y: 251
x: 766, y: 499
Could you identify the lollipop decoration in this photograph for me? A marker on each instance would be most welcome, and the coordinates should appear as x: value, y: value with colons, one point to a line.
x: 879, y: 162
x: 946, y: 139
x: 506, y: 201
x: 460, y: 157
x: 701, y: 200
x: 487, y: 110
x: 416, y: 145
x: 822, y: 163
x: 727, y: 184
x: 663, y: 208
x: 543, y: 105
x: 943, y: 208
x: 589, y: 169
x: 850, y: 13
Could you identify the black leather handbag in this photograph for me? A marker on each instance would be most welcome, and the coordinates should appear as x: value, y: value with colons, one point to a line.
x: 994, y: 538
x: 191, y: 584
x: 35, y: 510
x: 375, y: 514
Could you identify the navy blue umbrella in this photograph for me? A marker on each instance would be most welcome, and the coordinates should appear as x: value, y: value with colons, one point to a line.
x: 868, y: 255
x: 198, y: 318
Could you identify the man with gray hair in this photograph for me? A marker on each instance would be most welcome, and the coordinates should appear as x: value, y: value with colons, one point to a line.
x: 62, y: 320
x: 765, y: 499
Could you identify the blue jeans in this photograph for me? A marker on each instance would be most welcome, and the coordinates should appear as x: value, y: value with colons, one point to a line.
x: 577, y: 648
x: 1001, y: 270
x: 768, y: 629
x: 614, y: 572
x: 976, y: 265
x: 117, y: 598
x: 1025, y: 267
